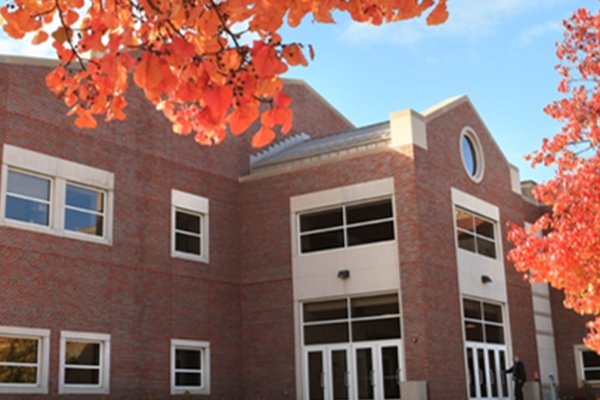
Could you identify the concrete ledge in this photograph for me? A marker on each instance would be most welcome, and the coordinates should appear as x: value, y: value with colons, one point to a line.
x: 413, y: 390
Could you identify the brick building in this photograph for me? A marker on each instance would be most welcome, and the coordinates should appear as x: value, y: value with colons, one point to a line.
x: 339, y: 263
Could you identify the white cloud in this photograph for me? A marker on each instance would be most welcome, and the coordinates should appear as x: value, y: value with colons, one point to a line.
x: 470, y: 19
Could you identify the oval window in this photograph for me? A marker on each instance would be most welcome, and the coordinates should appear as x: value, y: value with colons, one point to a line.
x: 471, y: 155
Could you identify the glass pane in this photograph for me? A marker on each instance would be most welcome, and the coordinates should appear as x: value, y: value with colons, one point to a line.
x: 472, y: 309
x: 18, y: 350
x: 330, y: 333
x: 493, y: 373
x: 187, y: 222
x: 484, y: 227
x: 78, y: 353
x: 188, y: 359
x: 369, y: 212
x: 28, y: 185
x: 325, y: 310
x: 503, y: 380
x: 469, y: 155
x: 492, y: 312
x: 464, y: 220
x: 188, y: 379
x: 339, y: 374
x: 364, y: 374
x: 88, y: 199
x: 82, y: 376
x: 321, y: 219
x: 466, y: 241
x: 187, y: 244
x: 83, y: 222
x: 486, y: 247
x: 18, y: 375
x: 375, y: 330
x: 315, y: 376
x: 481, y: 371
x: 27, y: 211
x: 591, y: 375
x: 471, y: 372
x: 590, y: 359
x: 322, y: 241
x: 371, y: 233
x: 473, y: 331
x: 391, y: 372
x: 372, y: 306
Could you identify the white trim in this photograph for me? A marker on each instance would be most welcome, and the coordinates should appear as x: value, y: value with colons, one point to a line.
x: 197, y: 345
x: 474, y: 204
x: 43, y: 335
x: 195, y: 205
x: 103, y: 340
x: 60, y: 173
x: 578, y: 349
x: 469, y: 133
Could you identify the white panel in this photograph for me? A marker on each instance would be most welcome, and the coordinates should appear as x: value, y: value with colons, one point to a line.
x: 189, y: 201
x: 475, y: 204
x: 515, y: 180
x: 344, y: 194
x: 541, y: 289
x: 541, y: 305
x: 372, y: 268
x: 543, y: 323
x: 471, y: 267
x: 408, y: 128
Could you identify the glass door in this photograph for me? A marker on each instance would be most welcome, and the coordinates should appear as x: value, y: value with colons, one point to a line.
x: 376, y: 370
x: 485, y: 365
x: 328, y: 376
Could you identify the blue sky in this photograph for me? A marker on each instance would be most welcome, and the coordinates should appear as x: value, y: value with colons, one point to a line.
x: 501, y: 53
x: 498, y: 52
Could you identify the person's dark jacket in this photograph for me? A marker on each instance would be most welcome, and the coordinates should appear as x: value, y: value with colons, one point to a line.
x: 518, y: 372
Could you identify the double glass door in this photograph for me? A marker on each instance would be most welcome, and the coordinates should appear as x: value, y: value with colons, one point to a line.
x: 360, y: 371
x: 486, y: 364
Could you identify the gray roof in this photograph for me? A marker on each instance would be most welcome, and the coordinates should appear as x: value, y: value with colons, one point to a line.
x: 306, y: 148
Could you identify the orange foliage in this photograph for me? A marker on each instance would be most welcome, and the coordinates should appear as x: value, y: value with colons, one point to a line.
x: 568, y: 255
x: 189, y: 57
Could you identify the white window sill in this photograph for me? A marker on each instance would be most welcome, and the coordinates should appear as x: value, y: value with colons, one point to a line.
x: 50, y: 231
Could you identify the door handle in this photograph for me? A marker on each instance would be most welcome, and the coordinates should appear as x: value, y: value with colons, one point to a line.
x: 372, y: 378
x: 347, y: 379
x: 398, y: 376
x: 322, y: 379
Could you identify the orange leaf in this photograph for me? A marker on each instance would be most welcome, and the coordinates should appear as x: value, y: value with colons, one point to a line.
x: 218, y: 99
x: 263, y: 137
x: 147, y: 72
x: 61, y: 34
x: 439, y: 15
x: 242, y: 117
x: 70, y: 17
x: 40, y: 37
x: 266, y: 61
x: 293, y: 55
x: 85, y: 119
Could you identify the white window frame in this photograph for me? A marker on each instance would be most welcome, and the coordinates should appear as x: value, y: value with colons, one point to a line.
x: 579, y: 367
x: 60, y: 173
x: 345, y: 226
x: 469, y: 133
x: 196, y: 345
x: 103, y: 340
x: 43, y: 337
x: 474, y: 232
x: 195, y: 205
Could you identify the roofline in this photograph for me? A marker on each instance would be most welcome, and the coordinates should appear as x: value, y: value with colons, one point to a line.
x: 321, y: 98
x: 26, y: 60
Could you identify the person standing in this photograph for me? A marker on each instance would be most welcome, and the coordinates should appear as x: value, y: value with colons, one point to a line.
x: 519, y: 377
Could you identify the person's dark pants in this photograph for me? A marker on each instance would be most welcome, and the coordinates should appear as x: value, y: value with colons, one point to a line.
x: 519, y: 390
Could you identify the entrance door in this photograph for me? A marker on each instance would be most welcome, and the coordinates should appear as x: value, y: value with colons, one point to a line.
x: 365, y: 371
x: 486, y: 364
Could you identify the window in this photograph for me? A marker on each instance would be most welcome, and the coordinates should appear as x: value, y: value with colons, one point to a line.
x: 475, y: 233
x: 471, y: 154
x: 24, y: 360
x: 352, y: 320
x: 51, y: 195
x: 84, y: 363
x: 347, y: 225
x: 28, y: 198
x: 588, y: 365
x: 483, y: 322
x: 190, y: 226
x: 190, y: 367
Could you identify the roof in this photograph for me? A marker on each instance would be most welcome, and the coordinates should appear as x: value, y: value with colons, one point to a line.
x: 307, y: 148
